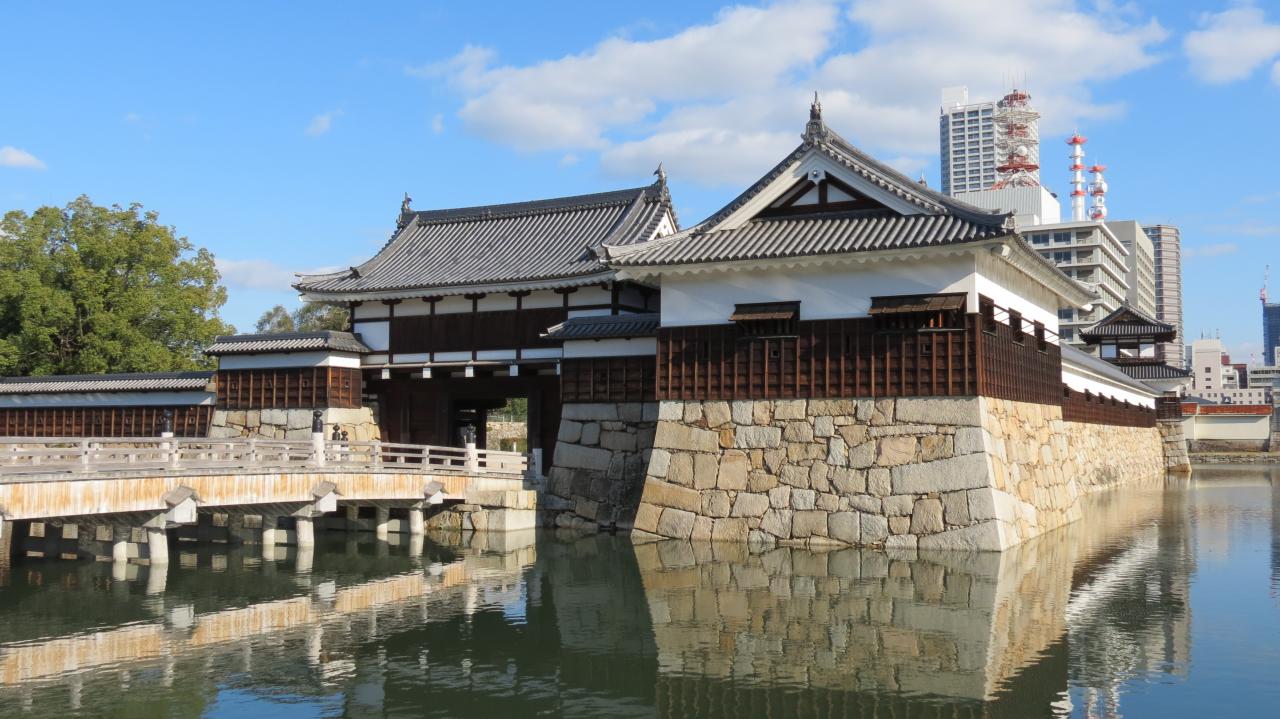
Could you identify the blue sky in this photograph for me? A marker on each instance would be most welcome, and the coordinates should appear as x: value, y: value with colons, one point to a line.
x: 282, y: 140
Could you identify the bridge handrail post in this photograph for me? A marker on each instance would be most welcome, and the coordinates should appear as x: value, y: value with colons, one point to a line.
x: 85, y: 448
x: 473, y: 457
x: 252, y: 455
x: 377, y: 452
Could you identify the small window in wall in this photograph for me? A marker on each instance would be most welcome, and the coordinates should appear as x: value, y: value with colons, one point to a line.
x: 1042, y: 342
x: 1015, y: 325
x: 988, y: 311
x: 918, y: 313
x: 766, y: 319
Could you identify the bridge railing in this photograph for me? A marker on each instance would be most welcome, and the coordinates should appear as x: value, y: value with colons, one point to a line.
x: 57, y: 455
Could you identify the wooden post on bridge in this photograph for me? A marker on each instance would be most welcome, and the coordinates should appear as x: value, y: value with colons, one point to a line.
x: 317, y: 438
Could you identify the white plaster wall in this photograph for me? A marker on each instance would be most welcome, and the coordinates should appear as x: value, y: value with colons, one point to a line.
x: 106, y: 399
x: 590, y: 295
x: 614, y: 347
x: 418, y: 306
x: 541, y: 299
x: 365, y: 310
x: 631, y: 296
x: 1231, y: 426
x: 289, y: 359
x: 1011, y: 289
x: 375, y: 335
x: 823, y: 293
x: 496, y: 301
x: 1080, y: 379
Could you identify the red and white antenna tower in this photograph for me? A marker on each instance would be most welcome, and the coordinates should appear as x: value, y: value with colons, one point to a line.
x: 1099, y: 191
x: 1017, y: 141
x: 1077, y: 176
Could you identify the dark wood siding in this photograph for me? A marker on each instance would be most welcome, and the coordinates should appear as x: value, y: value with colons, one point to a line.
x: 608, y: 379
x: 141, y: 421
x: 1094, y: 409
x: 289, y: 388
x: 827, y: 358
x: 467, y: 331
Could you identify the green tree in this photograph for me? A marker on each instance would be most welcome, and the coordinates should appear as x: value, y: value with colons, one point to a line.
x: 277, y: 319
x: 310, y: 317
x: 88, y: 289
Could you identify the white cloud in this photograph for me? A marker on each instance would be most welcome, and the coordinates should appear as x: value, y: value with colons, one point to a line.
x: 262, y: 274
x: 1248, y: 229
x: 720, y: 102
x: 1232, y: 44
x: 322, y: 123
x: 11, y: 156
x: 1215, y: 250
x: 437, y: 123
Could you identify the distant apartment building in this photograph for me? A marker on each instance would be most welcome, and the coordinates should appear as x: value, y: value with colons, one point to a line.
x: 1140, y: 270
x: 1215, y: 379
x: 1089, y: 252
x: 967, y: 140
x: 1166, y: 242
x: 1270, y: 331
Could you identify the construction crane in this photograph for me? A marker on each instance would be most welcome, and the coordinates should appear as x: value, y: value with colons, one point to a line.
x: 1262, y: 294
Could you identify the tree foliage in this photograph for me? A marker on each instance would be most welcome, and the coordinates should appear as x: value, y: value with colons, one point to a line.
x: 88, y: 289
x: 310, y: 317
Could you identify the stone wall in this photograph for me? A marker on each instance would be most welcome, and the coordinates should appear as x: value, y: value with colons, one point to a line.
x: 972, y: 473
x: 1177, y: 457
x: 598, y: 467
x: 360, y: 423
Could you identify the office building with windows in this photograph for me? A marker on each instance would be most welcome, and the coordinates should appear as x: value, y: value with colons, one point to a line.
x: 1089, y: 252
x: 967, y: 139
x: 1166, y: 242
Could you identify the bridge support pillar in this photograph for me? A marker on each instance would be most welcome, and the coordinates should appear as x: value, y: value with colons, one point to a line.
x: 417, y: 525
x: 353, y: 517
x: 381, y: 523
x: 120, y: 537
x: 304, y: 532
x: 269, y: 531
x: 158, y: 545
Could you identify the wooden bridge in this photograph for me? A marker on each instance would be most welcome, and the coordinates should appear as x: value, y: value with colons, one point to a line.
x: 113, y: 486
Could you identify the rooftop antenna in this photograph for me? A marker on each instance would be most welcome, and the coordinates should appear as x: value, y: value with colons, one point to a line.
x: 1077, y: 175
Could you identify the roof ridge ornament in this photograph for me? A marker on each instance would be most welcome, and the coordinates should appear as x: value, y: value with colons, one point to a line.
x: 815, y: 129
x: 661, y: 173
x: 406, y: 212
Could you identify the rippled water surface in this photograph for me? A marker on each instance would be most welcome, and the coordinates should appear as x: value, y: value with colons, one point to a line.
x: 1162, y: 602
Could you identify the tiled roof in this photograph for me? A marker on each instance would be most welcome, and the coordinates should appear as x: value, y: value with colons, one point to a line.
x: 554, y: 239
x: 1153, y: 370
x: 604, y: 327
x: 1126, y: 321
x: 779, y: 237
x: 131, y: 382
x: 1106, y: 369
x: 937, y: 219
x: 287, y: 342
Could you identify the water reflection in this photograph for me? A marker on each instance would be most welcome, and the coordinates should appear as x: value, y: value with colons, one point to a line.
x: 560, y: 624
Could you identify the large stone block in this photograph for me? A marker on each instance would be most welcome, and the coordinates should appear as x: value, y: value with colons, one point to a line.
x: 676, y: 523
x: 742, y: 411
x: 945, y: 475
x: 926, y: 517
x: 680, y: 469
x: 672, y: 435
x: 750, y: 504
x: 730, y: 530
x: 863, y: 455
x: 969, y: 440
x: 845, y: 527
x: 590, y: 433
x: 570, y: 431
x: 589, y: 411
x: 647, y: 516
x: 955, y: 508
x: 803, y: 498
x: 849, y: 481
x: 789, y: 409
x: 987, y: 536
x: 875, y: 529
x: 896, y: 450
x: 659, y: 462
x: 716, y: 503
x: 705, y: 468
x: 755, y: 437
x: 618, y: 441
x: 810, y: 523
x: 777, y: 522
x: 717, y: 414
x: 670, y: 410
x: 831, y: 407
x: 963, y: 411
x: 578, y: 457
x: 666, y: 494
x: 734, y: 467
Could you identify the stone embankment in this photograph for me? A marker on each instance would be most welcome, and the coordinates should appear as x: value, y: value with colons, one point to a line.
x: 599, y: 464
x: 973, y: 473
x: 359, y: 424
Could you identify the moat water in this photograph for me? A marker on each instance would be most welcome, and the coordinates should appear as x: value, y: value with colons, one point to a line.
x: 1163, y: 602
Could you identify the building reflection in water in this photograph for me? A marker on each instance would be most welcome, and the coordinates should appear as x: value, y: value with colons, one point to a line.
x: 588, y: 626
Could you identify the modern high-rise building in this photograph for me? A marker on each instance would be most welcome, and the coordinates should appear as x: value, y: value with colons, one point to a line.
x: 1140, y: 270
x: 1270, y: 329
x: 1092, y: 254
x: 967, y: 140
x: 1166, y: 241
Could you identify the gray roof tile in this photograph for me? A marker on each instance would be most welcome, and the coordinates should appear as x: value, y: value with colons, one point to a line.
x: 604, y: 327
x: 128, y: 382
x: 1126, y: 321
x: 330, y: 340
x: 500, y: 244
